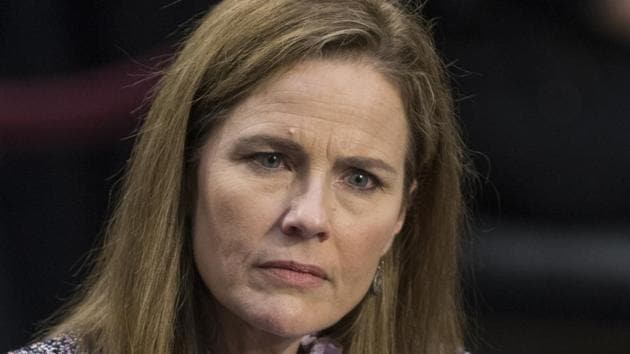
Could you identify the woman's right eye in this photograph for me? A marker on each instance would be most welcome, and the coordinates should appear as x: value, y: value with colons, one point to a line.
x: 269, y: 160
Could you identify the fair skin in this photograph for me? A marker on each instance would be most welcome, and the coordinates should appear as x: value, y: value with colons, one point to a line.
x: 300, y: 194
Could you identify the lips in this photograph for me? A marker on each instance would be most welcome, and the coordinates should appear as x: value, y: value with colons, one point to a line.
x: 296, y: 267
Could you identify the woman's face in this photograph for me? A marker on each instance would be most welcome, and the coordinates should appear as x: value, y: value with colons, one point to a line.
x: 299, y: 195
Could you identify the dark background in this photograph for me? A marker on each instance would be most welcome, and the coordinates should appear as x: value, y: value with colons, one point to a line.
x: 543, y: 94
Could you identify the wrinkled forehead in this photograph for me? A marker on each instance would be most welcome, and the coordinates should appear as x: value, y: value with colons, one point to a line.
x: 325, y: 95
x: 333, y: 88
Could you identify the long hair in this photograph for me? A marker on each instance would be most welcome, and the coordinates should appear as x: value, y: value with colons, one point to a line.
x: 141, y: 296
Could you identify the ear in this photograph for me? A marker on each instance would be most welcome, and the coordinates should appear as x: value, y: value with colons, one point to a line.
x: 401, y: 217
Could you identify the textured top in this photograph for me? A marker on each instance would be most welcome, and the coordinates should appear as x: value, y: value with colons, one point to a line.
x: 68, y: 345
x: 58, y: 345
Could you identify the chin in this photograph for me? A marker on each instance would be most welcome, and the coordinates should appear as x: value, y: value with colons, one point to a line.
x: 288, y: 318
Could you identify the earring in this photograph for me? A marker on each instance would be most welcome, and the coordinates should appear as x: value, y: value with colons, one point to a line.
x: 377, y: 283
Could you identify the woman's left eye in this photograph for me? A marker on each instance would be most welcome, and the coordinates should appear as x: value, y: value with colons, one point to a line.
x: 269, y: 160
x: 361, y: 180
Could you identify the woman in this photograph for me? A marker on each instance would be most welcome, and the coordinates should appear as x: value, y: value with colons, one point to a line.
x: 294, y: 188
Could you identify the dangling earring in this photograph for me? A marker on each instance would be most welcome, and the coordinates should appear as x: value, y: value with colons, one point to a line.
x: 377, y: 283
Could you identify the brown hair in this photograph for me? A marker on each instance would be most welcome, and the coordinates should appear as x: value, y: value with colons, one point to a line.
x: 141, y: 296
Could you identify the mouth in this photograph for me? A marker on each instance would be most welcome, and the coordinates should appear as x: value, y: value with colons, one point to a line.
x: 296, y: 267
x: 294, y: 273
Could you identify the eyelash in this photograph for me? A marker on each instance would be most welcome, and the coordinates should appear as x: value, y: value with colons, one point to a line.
x: 373, y: 181
x: 257, y: 159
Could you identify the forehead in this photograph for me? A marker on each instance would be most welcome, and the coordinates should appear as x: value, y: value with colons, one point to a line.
x: 338, y: 99
x: 352, y: 86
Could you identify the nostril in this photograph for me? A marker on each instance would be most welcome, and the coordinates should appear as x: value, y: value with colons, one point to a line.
x: 322, y: 236
x: 293, y: 231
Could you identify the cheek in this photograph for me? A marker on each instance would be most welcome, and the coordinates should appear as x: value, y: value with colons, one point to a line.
x: 218, y: 243
x: 215, y: 249
x: 360, y: 251
x: 228, y: 226
x: 363, y: 249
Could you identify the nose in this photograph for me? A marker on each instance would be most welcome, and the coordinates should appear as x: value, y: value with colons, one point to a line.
x: 307, y: 216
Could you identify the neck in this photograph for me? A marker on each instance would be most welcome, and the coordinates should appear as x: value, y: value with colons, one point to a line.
x: 254, y: 343
x: 232, y: 335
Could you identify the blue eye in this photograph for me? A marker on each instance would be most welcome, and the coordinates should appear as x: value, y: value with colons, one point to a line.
x: 270, y: 160
x: 361, y: 180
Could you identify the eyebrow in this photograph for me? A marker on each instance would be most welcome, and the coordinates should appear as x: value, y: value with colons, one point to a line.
x: 275, y: 142
x: 367, y: 163
x: 290, y: 146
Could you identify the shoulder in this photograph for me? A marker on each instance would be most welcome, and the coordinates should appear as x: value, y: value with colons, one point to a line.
x: 66, y: 344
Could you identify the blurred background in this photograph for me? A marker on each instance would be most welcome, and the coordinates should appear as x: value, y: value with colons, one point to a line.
x: 543, y: 95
